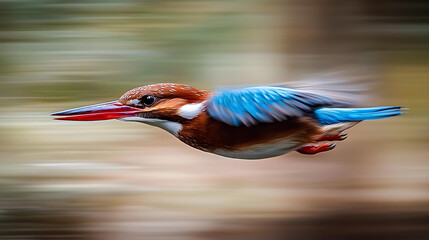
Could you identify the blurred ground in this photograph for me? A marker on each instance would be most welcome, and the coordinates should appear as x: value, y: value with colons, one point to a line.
x: 116, y: 180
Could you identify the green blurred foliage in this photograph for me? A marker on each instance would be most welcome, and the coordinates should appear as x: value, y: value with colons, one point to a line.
x: 70, y: 50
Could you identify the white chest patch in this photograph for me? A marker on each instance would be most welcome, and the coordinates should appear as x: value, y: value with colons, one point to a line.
x: 263, y: 150
x: 171, y: 127
x: 190, y: 111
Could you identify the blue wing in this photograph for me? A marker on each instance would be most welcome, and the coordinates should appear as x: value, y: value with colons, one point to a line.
x: 266, y: 104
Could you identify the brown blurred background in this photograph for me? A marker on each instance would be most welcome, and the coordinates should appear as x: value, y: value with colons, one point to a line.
x: 113, y: 180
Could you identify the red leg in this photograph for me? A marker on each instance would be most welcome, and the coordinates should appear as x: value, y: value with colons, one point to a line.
x: 313, y: 149
x: 336, y: 137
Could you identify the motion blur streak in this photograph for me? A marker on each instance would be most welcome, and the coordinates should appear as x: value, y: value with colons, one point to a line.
x: 107, y: 180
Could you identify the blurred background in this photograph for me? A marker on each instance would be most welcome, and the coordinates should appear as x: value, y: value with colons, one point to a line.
x: 114, y: 180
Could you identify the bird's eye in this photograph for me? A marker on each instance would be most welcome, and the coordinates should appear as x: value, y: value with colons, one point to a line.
x: 147, y: 100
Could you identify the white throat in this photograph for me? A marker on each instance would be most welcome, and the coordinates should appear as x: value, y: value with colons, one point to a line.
x: 190, y: 111
x: 171, y: 127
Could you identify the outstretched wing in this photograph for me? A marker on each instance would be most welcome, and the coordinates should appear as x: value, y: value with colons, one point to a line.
x: 254, y: 105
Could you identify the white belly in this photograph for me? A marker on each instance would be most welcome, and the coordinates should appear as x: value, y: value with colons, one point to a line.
x: 264, y: 150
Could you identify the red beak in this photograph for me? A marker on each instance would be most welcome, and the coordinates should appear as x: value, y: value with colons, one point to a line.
x: 102, y: 111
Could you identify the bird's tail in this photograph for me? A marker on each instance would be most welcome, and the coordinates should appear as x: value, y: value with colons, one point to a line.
x: 327, y: 116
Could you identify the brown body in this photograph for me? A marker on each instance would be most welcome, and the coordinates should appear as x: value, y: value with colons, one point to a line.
x: 206, y: 133
x: 209, y: 134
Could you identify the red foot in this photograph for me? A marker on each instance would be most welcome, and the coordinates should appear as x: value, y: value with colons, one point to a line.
x: 313, y: 149
x: 337, y: 137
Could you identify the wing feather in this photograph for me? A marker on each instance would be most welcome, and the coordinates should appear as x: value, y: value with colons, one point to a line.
x: 254, y: 105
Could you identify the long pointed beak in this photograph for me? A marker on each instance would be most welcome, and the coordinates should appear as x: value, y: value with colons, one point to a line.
x: 102, y: 111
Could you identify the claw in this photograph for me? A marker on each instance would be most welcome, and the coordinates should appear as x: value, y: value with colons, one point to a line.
x: 336, y: 137
x: 313, y: 149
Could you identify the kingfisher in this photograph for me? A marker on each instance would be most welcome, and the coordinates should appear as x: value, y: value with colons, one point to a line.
x: 245, y: 122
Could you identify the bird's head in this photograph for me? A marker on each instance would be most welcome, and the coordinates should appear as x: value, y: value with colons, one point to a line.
x: 166, y: 105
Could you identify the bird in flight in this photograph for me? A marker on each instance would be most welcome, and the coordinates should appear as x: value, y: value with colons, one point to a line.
x: 246, y: 123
